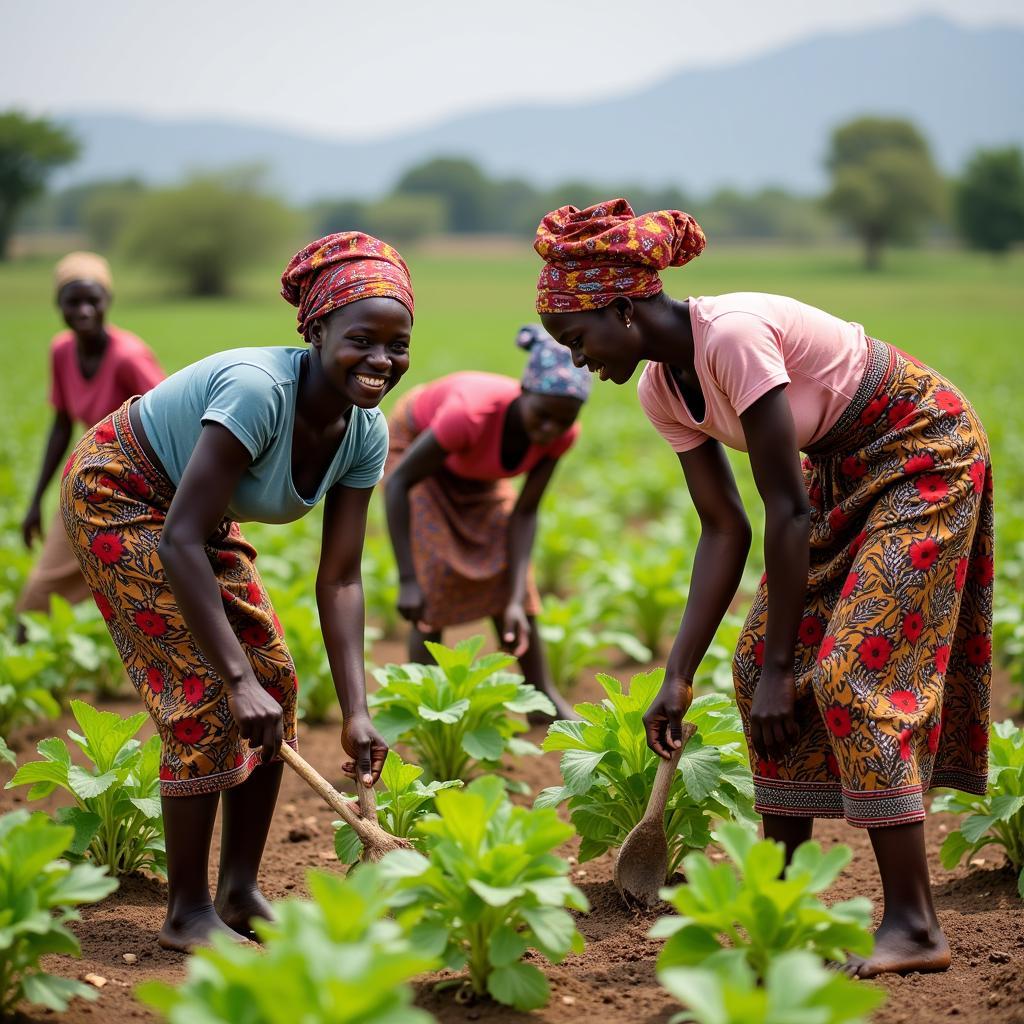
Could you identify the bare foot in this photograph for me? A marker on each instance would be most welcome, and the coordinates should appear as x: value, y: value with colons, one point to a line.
x: 183, y: 932
x: 901, y: 949
x: 237, y: 910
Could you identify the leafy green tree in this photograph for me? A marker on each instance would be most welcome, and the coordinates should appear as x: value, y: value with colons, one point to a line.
x: 460, y: 183
x: 206, y: 230
x: 30, y: 148
x: 884, y: 184
x: 990, y: 200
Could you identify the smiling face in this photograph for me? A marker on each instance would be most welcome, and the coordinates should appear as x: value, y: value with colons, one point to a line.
x: 547, y: 417
x: 599, y: 340
x: 364, y: 348
x: 84, y: 304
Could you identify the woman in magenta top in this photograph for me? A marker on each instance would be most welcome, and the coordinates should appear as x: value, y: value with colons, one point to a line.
x: 462, y: 537
x: 94, y: 367
x: 864, y: 666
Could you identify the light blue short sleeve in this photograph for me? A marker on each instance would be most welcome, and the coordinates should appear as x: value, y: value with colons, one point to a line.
x: 367, y: 468
x: 243, y: 399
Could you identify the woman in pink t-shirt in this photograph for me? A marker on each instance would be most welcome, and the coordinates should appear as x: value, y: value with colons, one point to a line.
x: 864, y: 667
x: 462, y: 538
x: 94, y: 367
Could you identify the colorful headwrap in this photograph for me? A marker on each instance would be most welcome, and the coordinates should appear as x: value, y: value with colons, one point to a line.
x: 342, y: 268
x: 83, y: 266
x: 550, y: 370
x: 593, y: 256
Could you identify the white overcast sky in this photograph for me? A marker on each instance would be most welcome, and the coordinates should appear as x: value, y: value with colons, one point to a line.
x: 343, y: 69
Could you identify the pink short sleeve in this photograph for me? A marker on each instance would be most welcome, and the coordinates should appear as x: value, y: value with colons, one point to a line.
x: 455, y: 426
x: 744, y: 354
x: 658, y: 402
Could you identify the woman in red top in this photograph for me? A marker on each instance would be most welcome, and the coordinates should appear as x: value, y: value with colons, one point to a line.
x: 95, y: 367
x: 864, y: 666
x: 462, y: 538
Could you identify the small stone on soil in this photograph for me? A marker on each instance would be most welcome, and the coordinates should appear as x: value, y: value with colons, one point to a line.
x: 568, y: 1000
x: 96, y: 980
x: 999, y: 957
x: 129, y: 958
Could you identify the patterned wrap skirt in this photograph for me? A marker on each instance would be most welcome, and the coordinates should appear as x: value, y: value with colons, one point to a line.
x: 893, y: 663
x: 459, y: 533
x: 114, y: 501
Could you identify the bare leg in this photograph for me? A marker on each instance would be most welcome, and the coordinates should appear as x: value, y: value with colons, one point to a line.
x: 788, y: 830
x: 910, y: 937
x: 418, y: 653
x: 188, y: 826
x: 534, y: 666
x: 248, y: 810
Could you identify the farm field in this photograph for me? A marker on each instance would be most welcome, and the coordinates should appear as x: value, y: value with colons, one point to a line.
x: 617, y: 514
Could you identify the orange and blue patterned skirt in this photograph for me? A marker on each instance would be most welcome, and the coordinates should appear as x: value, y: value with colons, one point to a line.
x: 894, y: 659
x: 114, y: 501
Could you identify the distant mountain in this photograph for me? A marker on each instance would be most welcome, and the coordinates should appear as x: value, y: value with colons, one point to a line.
x: 761, y: 121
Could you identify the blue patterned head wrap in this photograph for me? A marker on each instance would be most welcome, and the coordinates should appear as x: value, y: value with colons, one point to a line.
x: 549, y: 370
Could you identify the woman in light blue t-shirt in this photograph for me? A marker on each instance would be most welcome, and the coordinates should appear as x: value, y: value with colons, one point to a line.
x: 151, y: 499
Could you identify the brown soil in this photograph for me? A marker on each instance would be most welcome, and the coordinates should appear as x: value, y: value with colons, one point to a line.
x: 613, y: 980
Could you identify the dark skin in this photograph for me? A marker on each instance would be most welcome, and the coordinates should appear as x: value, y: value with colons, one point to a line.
x: 356, y: 356
x: 531, y: 419
x: 83, y: 305
x: 612, y: 342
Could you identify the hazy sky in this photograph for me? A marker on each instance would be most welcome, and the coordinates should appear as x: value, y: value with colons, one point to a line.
x: 343, y: 69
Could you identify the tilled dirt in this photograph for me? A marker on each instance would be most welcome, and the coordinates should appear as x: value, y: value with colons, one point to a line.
x: 613, y: 980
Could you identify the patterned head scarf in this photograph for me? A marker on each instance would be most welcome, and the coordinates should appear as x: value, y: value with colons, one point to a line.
x: 593, y: 256
x: 342, y: 268
x: 549, y: 370
x: 83, y: 266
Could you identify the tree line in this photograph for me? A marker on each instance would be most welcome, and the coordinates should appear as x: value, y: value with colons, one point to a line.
x: 884, y: 189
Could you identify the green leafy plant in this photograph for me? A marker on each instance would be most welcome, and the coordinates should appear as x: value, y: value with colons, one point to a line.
x: 570, y: 642
x: 651, y: 587
x: 6, y: 754
x: 336, y: 958
x: 491, y: 889
x: 84, y: 657
x: 38, y: 894
x: 796, y: 988
x: 755, y: 909
x: 116, y: 816
x: 608, y: 770
x: 997, y: 818
x: 300, y: 620
x: 456, y: 715
x: 402, y: 802
x: 24, y: 695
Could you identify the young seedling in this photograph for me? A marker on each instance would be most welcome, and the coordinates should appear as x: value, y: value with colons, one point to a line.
x: 335, y: 958
x: 796, y: 988
x: 608, y: 770
x: 997, y: 818
x: 753, y: 909
x: 38, y: 894
x: 490, y: 888
x: 405, y: 800
x: 116, y: 816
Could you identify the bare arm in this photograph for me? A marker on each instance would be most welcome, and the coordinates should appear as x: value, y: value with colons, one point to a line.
x: 717, y: 567
x: 423, y: 458
x: 200, y: 501
x: 774, y: 459
x: 56, y: 445
x: 522, y: 530
x: 339, y: 598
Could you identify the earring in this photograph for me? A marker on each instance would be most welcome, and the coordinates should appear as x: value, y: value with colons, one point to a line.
x: 629, y: 323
